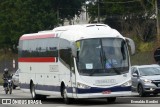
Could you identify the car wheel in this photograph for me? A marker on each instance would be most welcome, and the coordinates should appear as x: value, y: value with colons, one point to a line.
x: 141, y: 91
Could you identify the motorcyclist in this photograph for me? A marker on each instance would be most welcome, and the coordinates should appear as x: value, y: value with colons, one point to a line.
x: 6, y: 76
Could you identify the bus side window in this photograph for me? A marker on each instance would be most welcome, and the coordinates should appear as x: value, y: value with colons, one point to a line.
x: 65, y: 53
x: 51, y: 47
x: 24, y: 48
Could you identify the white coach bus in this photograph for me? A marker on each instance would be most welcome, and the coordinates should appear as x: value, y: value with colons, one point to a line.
x: 77, y: 61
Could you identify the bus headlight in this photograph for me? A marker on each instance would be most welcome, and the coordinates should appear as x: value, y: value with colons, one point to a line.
x: 83, y: 86
x: 126, y: 84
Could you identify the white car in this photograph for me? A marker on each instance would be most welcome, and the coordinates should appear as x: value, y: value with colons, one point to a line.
x: 15, y: 79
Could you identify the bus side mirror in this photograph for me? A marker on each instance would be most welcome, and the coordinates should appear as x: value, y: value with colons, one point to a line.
x: 74, y: 49
x: 131, y: 44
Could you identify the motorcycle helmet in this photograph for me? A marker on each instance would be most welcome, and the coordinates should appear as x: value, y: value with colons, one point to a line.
x: 6, y: 70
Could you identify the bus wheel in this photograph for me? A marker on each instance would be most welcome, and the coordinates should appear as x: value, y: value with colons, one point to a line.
x: 111, y: 99
x: 65, y: 97
x: 36, y: 96
x: 33, y: 93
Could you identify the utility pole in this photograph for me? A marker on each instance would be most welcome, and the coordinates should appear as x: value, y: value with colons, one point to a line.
x: 86, y: 4
x: 98, y: 11
x: 157, y: 21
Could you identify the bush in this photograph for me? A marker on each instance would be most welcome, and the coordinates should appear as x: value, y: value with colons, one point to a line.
x: 143, y: 58
x: 146, y: 46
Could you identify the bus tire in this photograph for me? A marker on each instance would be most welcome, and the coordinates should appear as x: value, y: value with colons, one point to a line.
x: 36, y: 96
x: 32, y: 90
x: 65, y: 97
x: 111, y: 99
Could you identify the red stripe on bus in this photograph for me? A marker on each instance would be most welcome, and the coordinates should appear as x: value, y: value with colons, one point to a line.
x: 40, y: 59
x: 37, y: 36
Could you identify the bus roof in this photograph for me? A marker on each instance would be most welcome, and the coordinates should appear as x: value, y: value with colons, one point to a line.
x: 76, y: 32
x: 37, y: 35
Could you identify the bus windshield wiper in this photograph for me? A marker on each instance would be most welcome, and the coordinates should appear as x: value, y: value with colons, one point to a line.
x: 115, y: 69
x: 102, y: 60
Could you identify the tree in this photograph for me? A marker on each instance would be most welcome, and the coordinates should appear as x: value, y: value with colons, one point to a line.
x: 19, y: 17
x: 119, y: 7
x: 67, y: 9
x: 129, y: 16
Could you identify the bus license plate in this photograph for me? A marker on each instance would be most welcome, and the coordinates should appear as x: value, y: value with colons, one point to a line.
x: 106, y: 92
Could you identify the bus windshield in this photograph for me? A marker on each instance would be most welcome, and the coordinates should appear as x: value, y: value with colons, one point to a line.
x: 102, y: 57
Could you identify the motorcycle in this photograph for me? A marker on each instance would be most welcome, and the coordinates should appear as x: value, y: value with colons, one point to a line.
x: 8, y: 86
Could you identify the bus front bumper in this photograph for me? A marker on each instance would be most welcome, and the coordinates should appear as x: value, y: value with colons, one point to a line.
x: 104, y: 94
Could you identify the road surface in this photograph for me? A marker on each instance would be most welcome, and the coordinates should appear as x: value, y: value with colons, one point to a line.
x: 58, y: 102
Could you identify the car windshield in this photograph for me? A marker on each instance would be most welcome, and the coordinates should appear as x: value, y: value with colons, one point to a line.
x: 149, y: 71
x: 99, y: 57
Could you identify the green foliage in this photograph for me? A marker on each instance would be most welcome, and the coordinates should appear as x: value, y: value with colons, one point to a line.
x: 142, y: 58
x: 68, y: 8
x: 19, y: 17
x: 143, y: 47
x: 119, y: 7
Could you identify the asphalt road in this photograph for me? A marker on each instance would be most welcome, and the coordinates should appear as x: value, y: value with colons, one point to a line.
x: 58, y: 102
